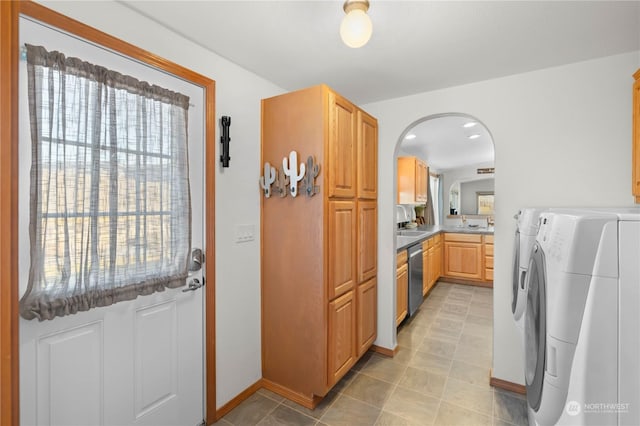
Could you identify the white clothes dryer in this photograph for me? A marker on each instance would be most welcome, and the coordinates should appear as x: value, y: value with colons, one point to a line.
x: 526, y: 231
x: 581, y: 319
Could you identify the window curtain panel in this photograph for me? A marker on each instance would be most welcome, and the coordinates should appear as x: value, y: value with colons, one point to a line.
x: 429, y: 217
x: 110, y: 207
x: 434, y: 185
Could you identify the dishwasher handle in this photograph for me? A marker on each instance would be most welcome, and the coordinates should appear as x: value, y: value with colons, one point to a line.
x: 417, y: 251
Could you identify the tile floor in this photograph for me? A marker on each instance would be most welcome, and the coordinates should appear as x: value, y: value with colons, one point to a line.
x: 440, y: 376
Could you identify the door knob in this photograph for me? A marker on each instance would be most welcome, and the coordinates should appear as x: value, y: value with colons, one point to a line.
x: 194, y: 284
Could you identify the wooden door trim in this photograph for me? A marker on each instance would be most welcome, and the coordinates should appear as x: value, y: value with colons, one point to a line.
x: 9, y: 345
x: 9, y: 355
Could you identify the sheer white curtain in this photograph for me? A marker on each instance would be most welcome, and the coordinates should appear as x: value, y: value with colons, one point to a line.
x: 434, y: 197
x: 110, y: 209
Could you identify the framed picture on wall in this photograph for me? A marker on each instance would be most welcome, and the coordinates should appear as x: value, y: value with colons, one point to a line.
x: 484, y: 202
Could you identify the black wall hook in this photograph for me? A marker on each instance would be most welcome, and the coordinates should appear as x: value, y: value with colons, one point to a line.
x: 224, y: 140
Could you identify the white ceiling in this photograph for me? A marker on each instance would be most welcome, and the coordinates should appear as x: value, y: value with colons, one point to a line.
x: 416, y: 46
x: 444, y: 143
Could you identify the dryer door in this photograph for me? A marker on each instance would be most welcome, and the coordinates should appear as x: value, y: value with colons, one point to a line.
x: 516, y: 272
x: 535, y: 327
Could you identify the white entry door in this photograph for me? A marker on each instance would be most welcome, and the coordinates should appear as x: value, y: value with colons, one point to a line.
x: 138, y: 362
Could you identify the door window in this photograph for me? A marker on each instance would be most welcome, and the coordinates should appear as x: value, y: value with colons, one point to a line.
x: 110, y: 210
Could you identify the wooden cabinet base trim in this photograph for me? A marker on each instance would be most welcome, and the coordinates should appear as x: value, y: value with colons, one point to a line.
x: 509, y: 386
x: 488, y: 284
x: 385, y: 351
x: 308, y: 402
x: 222, y: 411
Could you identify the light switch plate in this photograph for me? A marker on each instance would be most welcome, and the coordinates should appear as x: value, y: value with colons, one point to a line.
x: 245, y: 233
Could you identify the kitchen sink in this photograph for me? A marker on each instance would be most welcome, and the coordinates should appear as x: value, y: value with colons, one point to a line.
x: 406, y: 233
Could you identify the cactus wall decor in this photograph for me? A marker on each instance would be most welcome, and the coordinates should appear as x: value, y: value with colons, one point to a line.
x: 267, y: 179
x: 309, y: 182
x: 282, y: 181
x: 291, y: 170
x: 285, y: 180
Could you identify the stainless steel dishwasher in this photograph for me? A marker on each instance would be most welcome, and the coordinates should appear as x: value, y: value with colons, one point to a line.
x: 415, y: 278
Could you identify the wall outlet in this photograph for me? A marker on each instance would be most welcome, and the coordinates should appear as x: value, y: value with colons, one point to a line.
x: 245, y: 233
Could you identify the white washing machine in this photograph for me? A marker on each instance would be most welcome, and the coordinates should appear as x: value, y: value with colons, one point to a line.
x: 582, y: 319
x: 526, y: 231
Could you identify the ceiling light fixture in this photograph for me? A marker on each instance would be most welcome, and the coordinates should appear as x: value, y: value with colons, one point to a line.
x: 475, y: 136
x: 410, y: 136
x: 469, y: 124
x: 356, y: 26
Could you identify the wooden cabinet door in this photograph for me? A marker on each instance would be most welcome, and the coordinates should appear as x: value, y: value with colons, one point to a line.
x: 406, y: 180
x: 367, y: 240
x: 341, y: 162
x: 432, y: 267
x: 367, y: 156
x: 341, y: 336
x: 402, y: 293
x: 488, y: 262
x: 425, y: 271
x: 342, y: 247
x: 463, y: 260
x: 412, y: 180
x: 635, y: 162
x: 422, y: 180
x: 366, y: 324
x: 438, y: 261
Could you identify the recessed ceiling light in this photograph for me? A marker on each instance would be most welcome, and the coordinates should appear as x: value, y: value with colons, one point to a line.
x: 410, y: 136
x: 469, y: 124
x: 474, y: 136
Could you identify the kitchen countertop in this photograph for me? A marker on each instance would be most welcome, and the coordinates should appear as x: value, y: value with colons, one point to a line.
x: 404, y: 242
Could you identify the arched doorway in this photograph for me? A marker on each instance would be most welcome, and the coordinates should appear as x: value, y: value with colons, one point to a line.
x: 457, y: 151
x: 454, y: 146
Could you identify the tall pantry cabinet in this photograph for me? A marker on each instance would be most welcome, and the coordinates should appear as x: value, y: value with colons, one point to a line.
x: 319, y: 253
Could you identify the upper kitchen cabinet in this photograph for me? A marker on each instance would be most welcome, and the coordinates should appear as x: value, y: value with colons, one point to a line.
x: 367, y: 156
x: 342, y: 147
x: 413, y: 178
x: 318, y: 249
x: 635, y: 189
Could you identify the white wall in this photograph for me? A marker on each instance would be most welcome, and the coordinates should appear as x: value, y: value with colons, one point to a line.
x: 468, y: 200
x: 462, y: 174
x: 562, y: 138
x: 238, y: 94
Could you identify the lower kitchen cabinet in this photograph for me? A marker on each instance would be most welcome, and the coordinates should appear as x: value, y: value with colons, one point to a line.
x: 488, y: 257
x: 463, y: 256
x: 367, y: 302
x: 402, y: 287
x: 431, y: 262
x: 342, y: 336
x: 433, y: 267
x: 469, y: 258
x: 425, y: 269
x: 438, y: 258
